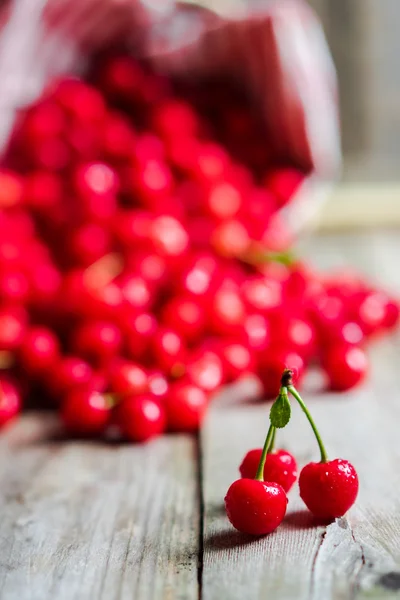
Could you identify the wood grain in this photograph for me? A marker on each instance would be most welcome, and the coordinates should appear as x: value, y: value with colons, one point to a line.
x: 92, y: 521
x: 354, y: 557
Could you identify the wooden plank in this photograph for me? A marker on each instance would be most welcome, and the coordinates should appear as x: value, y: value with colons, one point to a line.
x: 93, y: 520
x: 355, y: 557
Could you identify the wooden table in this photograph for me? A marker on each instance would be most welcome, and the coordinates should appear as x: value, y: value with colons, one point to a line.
x: 91, y: 521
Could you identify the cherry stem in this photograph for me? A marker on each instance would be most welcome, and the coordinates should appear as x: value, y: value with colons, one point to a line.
x: 272, y: 443
x: 260, y: 471
x: 296, y: 395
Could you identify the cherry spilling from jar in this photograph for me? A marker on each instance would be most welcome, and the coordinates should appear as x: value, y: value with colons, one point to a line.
x: 144, y: 258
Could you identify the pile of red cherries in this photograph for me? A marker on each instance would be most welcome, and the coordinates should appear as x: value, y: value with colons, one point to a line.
x: 143, y: 259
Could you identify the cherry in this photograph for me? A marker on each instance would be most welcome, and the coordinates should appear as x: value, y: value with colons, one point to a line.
x: 261, y: 294
x: 157, y: 384
x: 237, y: 360
x: 186, y: 316
x: 205, y: 369
x: 370, y: 311
x: 117, y: 138
x: 140, y: 418
x: 132, y: 227
x: 255, y: 507
x: 329, y: 488
x: 42, y: 190
x: 283, y: 183
x: 168, y: 350
x: 70, y: 374
x: 226, y: 312
x: 39, y: 351
x: 81, y: 100
x: 14, y: 287
x: 346, y: 366
x: 271, y: 366
x: 45, y: 120
x: 169, y: 237
x: 96, y: 185
x: 12, y: 328
x: 121, y: 78
x: 185, y: 406
x: 256, y: 333
x: 392, y: 314
x: 149, y: 265
x: 175, y: 118
x: 135, y: 291
x: 231, y: 239
x: 85, y: 412
x: 11, y: 189
x: 223, y: 200
x: 89, y: 243
x: 152, y: 182
x: 127, y: 378
x: 98, y: 341
x: 10, y: 401
x: 280, y: 467
x: 139, y: 330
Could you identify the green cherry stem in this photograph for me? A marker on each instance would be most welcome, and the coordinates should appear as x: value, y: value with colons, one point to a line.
x: 296, y: 395
x: 260, y: 471
x: 272, y: 443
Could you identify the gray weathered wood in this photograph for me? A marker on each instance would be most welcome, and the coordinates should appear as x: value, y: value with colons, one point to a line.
x: 95, y: 521
x: 354, y: 557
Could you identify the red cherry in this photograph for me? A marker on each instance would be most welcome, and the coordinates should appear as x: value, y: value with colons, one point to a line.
x: 256, y: 333
x: 157, y: 384
x: 237, y: 360
x: 96, y: 184
x: 45, y: 283
x: 14, y: 287
x: 140, y: 418
x: 169, y: 237
x: 10, y: 401
x: 149, y: 265
x: 370, y: 311
x: 98, y: 341
x: 329, y: 489
x: 283, y: 183
x: 12, y: 329
x: 152, y: 182
x: 89, y: 243
x: 70, y: 374
x: 300, y: 336
x: 280, y: 467
x: 121, y: 78
x: 392, y: 314
x: 132, y: 227
x: 185, y: 405
x: 208, y: 161
x: 197, y: 278
x: 346, y: 366
x: 226, y: 312
x: 45, y: 120
x: 11, y: 189
x: 231, y: 239
x: 186, y: 316
x: 43, y: 189
x: 136, y: 291
x: 117, y: 138
x: 255, y: 507
x: 50, y: 154
x: 148, y: 147
x: 223, y: 200
x: 261, y: 294
x: 205, y: 370
x: 175, y: 118
x: 81, y: 100
x: 127, y: 378
x: 39, y: 351
x: 169, y: 350
x: 85, y: 412
x: 272, y: 366
x: 139, y: 330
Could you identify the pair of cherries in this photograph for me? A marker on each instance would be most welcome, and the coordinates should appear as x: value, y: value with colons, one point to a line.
x: 256, y: 504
